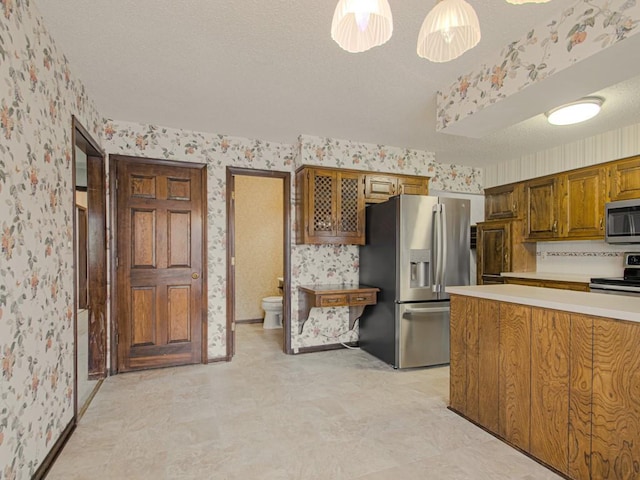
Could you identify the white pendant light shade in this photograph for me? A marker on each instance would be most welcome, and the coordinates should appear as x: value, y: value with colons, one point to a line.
x: 359, y: 25
x: 575, y: 112
x: 449, y: 30
x: 521, y: 2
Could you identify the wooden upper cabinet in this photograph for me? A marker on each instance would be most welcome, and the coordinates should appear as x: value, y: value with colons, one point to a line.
x: 493, y: 250
x: 582, y: 204
x: 624, y: 179
x: 541, y: 197
x: 413, y: 185
x: 503, y: 202
x: 500, y: 248
x: 330, y: 207
x: 380, y: 187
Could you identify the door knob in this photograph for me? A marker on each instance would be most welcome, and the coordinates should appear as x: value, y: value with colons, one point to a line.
x: 195, y: 275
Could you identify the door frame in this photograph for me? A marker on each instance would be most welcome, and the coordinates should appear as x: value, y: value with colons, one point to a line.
x: 96, y: 256
x: 114, y: 161
x: 232, y: 172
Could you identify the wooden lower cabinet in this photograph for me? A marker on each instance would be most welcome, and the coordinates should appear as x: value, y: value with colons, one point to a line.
x: 615, y: 428
x: 488, y: 363
x: 458, y: 353
x: 561, y: 386
x: 474, y: 359
x: 515, y: 374
x: 580, y: 388
x: 550, y: 346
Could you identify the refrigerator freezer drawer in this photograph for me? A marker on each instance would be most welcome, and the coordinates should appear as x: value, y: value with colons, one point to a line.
x: 422, y: 334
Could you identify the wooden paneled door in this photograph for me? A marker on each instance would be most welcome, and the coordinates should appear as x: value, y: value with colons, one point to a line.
x: 160, y: 299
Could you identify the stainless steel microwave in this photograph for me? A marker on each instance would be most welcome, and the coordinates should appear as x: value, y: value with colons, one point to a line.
x: 623, y: 221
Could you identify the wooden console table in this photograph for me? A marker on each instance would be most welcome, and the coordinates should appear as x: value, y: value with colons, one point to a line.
x: 356, y: 297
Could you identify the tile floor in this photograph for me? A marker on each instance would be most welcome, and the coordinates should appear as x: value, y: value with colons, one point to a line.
x: 330, y: 415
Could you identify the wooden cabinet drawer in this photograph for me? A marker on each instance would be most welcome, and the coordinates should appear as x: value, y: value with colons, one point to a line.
x: 362, y: 298
x: 337, y: 300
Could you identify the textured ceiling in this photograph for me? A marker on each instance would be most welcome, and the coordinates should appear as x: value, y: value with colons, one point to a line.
x: 269, y: 70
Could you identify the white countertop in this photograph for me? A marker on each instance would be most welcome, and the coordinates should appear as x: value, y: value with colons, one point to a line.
x: 556, y: 277
x: 598, y: 304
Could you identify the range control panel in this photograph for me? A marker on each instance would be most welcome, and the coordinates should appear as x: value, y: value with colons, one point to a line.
x: 632, y: 259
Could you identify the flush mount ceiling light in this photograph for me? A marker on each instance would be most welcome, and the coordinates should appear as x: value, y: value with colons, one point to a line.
x: 450, y: 29
x: 575, y: 112
x: 359, y: 25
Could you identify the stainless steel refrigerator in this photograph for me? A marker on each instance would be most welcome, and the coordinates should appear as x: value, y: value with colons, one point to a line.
x: 416, y: 247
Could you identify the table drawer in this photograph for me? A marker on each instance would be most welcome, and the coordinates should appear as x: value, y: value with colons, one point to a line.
x: 337, y: 300
x: 367, y: 298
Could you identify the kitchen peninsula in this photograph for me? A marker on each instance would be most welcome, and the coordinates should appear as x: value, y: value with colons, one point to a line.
x: 555, y: 373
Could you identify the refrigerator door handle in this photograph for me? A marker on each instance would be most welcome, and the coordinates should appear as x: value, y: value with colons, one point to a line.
x: 443, y: 250
x: 428, y: 310
x: 436, y: 249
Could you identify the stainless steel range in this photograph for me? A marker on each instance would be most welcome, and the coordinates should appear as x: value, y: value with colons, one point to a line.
x: 629, y: 284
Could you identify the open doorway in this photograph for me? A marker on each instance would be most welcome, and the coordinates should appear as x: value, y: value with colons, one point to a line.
x: 258, y: 246
x: 90, y: 266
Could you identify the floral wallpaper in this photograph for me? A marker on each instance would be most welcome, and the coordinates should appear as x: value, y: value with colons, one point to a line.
x: 217, y: 152
x: 383, y: 158
x: 578, y: 32
x: 340, y: 264
x: 38, y: 96
x: 309, y: 263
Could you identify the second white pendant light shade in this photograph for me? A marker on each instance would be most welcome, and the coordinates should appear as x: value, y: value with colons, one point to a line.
x: 450, y: 29
x: 359, y: 25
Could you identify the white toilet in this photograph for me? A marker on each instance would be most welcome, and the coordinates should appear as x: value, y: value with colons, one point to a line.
x: 272, y: 307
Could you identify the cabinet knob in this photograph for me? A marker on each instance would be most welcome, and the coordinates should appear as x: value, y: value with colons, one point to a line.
x: 195, y: 275
x: 555, y: 226
x: 601, y: 223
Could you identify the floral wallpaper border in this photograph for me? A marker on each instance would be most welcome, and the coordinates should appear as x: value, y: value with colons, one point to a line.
x: 578, y: 32
x: 579, y: 254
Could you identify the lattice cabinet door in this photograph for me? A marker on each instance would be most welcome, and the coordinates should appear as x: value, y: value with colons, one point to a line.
x: 322, y: 206
x: 329, y: 206
x: 350, y: 208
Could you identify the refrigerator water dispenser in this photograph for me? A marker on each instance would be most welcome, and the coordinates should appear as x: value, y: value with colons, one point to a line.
x: 420, y: 271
